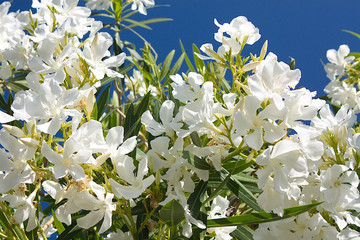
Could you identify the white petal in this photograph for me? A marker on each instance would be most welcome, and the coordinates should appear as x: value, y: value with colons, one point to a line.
x: 5, y: 118
x: 115, y: 136
x: 90, y: 219
x: 166, y: 112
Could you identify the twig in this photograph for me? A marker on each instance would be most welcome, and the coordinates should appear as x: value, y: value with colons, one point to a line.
x: 117, y: 110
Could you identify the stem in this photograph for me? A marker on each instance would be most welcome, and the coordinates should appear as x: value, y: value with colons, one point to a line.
x: 146, y: 219
x: 4, y: 236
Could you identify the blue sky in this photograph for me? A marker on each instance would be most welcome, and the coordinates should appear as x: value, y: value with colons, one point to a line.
x: 302, y: 29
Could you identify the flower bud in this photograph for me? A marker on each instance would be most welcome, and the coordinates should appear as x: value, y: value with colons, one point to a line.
x: 15, y: 131
x: 30, y: 142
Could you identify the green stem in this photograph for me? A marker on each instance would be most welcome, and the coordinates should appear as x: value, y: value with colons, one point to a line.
x: 146, y: 219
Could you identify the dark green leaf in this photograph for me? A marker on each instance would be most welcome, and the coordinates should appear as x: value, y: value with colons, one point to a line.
x: 196, y: 139
x: 58, y: 225
x: 237, y: 166
x: 103, y: 101
x: 194, y: 200
x: 144, y: 234
x: 172, y: 213
x: 143, y: 105
x: 243, y: 233
x: 17, y: 86
x: 240, y: 191
x: 4, y: 105
x: 292, y: 63
x: 199, y: 163
x: 117, y: 44
x: 260, y: 217
x: 70, y: 232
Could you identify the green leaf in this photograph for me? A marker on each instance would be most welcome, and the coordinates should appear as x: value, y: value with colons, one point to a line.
x: 4, y: 105
x: 144, y: 234
x: 166, y: 67
x: 199, y: 163
x: 103, y: 101
x: 188, y: 62
x: 240, y: 191
x: 156, y: 20
x: 132, y: 123
x: 136, y: 24
x: 6, y: 222
x: 172, y: 213
x: 199, y: 63
x: 177, y: 65
x: 117, y: 44
x: 70, y: 232
x: 243, y: 233
x: 143, y: 105
x: 237, y: 166
x: 194, y: 200
x: 260, y: 217
x: 355, y: 54
x: 196, y: 139
x: 129, y: 125
x: 353, y: 33
x: 292, y: 63
x: 58, y: 225
x: 225, y: 85
x: 18, y: 85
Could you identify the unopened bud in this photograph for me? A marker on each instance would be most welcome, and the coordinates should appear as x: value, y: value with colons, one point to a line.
x: 30, y: 142
x: 250, y: 66
x: 101, y: 159
x: 15, y: 131
x: 90, y: 100
x: 263, y: 50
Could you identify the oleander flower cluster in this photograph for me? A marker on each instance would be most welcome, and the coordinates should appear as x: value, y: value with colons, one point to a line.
x: 88, y: 150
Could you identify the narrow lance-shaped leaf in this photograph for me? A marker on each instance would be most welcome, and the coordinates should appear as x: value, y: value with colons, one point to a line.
x: 198, y: 62
x: 166, y: 67
x: 194, y: 200
x: 59, y: 226
x: 103, y: 101
x: 240, y: 191
x: 243, y: 232
x: 260, y: 217
x: 188, y: 62
x: 172, y: 213
x: 353, y: 33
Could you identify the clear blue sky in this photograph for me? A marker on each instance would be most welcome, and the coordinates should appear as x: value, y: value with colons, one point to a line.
x: 302, y: 29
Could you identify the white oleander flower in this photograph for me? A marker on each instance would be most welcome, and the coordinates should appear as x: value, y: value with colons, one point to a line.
x: 14, y: 168
x: 239, y: 32
x: 70, y: 161
x: 101, y: 207
x: 272, y: 79
x: 338, y: 61
x: 168, y: 124
x: 94, y: 53
x: 136, y: 183
x: 141, y: 5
